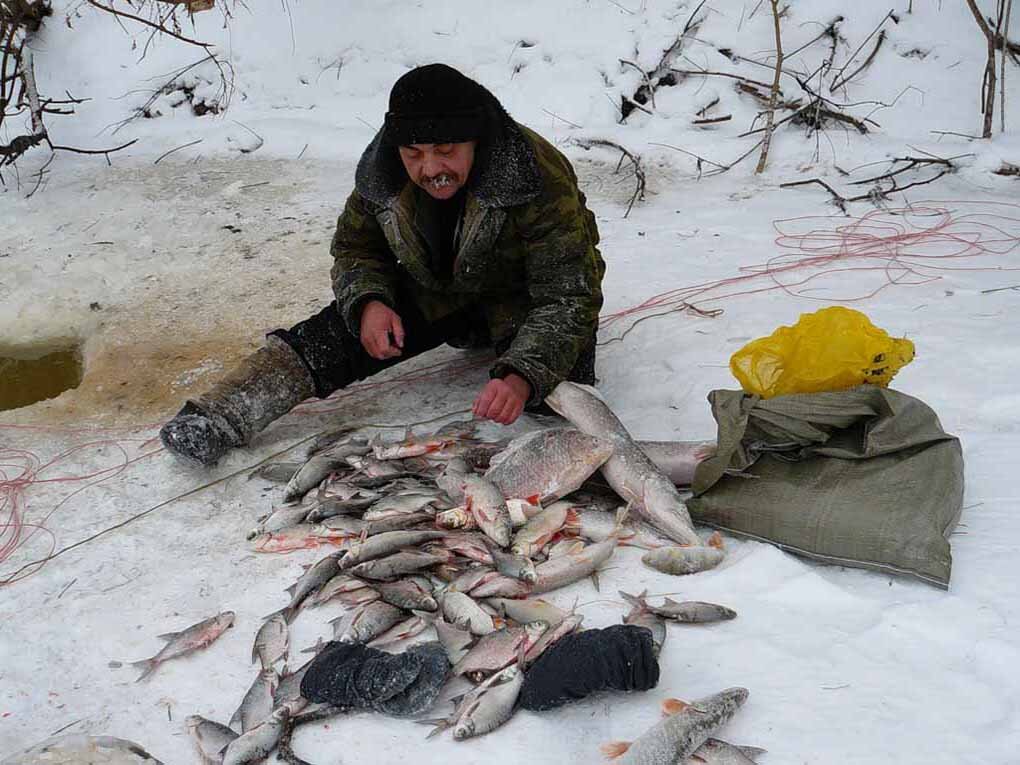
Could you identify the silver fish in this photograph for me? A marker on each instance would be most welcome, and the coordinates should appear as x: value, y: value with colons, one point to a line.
x: 471, y: 578
x: 456, y: 518
x: 493, y: 707
x: 688, y: 612
x: 677, y: 460
x: 531, y: 610
x: 211, y: 738
x: 281, y: 518
x: 629, y: 471
x: 405, y: 502
x: 367, y: 622
x: 324, y: 441
x: 327, y: 508
x: 641, y: 616
x: 550, y: 636
x: 338, y: 585
x: 512, y: 565
x: 385, y: 544
x: 257, y: 743
x: 488, y: 507
x: 411, y: 594
x: 548, y: 464
x: 187, y: 640
x: 521, y: 511
x: 455, y: 639
x: 257, y: 703
x: 499, y: 649
x: 276, y: 472
x: 413, y: 625
x: 564, y: 547
x: 596, y: 524
x: 498, y: 586
x: 572, y: 567
x: 394, y: 566
x: 315, y: 576
x: 289, y: 689
x: 271, y: 642
x: 683, y: 560
x: 318, y: 467
x: 678, y: 736
x: 458, y: 607
x: 537, y: 532
x: 370, y: 467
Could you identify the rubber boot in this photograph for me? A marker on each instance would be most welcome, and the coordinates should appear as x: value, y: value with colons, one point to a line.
x: 264, y: 386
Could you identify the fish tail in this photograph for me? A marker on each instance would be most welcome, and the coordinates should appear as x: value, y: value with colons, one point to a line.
x: 440, y: 724
x: 633, y: 600
x: 148, y: 667
x: 614, y: 749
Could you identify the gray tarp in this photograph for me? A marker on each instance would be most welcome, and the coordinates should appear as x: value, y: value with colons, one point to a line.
x: 864, y: 477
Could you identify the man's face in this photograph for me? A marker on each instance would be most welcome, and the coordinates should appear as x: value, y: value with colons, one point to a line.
x: 441, y: 169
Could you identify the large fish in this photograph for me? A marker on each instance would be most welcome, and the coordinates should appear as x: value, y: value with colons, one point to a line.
x: 548, y: 464
x: 187, y: 640
x: 678, y: 459
x: 629, y: 471
x: 680, y: 735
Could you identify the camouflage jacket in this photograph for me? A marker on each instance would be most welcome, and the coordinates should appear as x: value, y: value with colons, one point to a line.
x: 527, y: 255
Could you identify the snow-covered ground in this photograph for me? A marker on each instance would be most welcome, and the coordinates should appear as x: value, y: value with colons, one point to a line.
x: 169, y: 272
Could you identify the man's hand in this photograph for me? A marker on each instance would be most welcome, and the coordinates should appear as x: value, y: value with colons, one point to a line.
x: 382, y: 332
x: 503, y: 400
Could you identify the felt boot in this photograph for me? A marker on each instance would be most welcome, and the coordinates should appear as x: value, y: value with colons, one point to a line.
x: 264, y: 386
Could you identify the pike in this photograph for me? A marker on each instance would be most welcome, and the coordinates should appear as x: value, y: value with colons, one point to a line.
x: 718, y: 752
x: 385, y: 544
x: 629, y: 471
x: 319, y: 466
x: 548, y: 464
x: 197, y: 636
x: 680, y: 735
x: 683, y: 560
x: 688, y: 612
x: 257, y: 703
x: 211, y: 738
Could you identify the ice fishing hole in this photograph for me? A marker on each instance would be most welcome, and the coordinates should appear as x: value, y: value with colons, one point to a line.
x: 35, y: 373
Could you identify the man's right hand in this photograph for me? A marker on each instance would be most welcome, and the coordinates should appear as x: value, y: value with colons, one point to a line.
x: 382, y: 332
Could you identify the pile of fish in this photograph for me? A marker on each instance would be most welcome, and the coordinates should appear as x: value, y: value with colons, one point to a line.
x: 448, y: 532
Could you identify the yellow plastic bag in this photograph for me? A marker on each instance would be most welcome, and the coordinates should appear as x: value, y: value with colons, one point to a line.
x: 832, y: 349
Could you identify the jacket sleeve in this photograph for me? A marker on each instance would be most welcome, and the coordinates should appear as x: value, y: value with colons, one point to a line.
x: 363, y: 266
x: 564, y: 277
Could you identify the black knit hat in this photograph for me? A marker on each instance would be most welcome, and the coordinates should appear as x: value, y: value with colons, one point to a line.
x: 436, y: 104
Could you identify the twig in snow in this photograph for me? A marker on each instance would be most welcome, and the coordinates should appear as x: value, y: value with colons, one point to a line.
x: 168, y: 153
x: 635, y: 161
x: 867, y: 62
x: 839, y: 79
x: 257, y: 146
x: 774, y: 97
x: 1001, y: 289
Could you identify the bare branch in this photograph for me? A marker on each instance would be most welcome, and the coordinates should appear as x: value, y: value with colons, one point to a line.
x: 774, y: 97
x: 635, y: 160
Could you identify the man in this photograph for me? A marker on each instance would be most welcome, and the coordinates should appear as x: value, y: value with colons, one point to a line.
x: 463, y: 228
